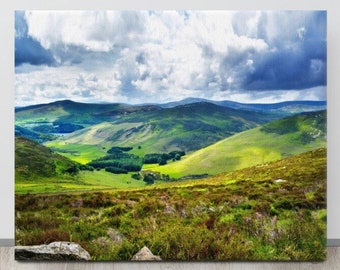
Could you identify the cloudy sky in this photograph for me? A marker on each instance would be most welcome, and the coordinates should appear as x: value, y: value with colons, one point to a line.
x: 161, y: 56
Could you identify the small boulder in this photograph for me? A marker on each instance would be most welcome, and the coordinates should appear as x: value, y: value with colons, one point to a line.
x: 115, y: 235
x: 145, y: 255
x: 279, y: 180
x: 55, y: 251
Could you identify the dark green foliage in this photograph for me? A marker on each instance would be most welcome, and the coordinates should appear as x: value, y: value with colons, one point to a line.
x: 136, y: 176
x: 162, y: 162
x: 149, y: 178
x: 162, y: 158
x: 84, y: 167
x: 116, y: 170
x: 56, y: 127
x: 284, y: 204
x: 64, y: 127
x: 153, y: 158
x: 33, y: 135
x: 176, y: 154
x: 119, y: 160
x: 116, y: 149
x: 126, y: 164
x: 45, y: 129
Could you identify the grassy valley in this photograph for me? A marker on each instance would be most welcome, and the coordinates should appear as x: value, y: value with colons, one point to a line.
x: 122, y: 177
x: 187, y: 127
x: 39, y: 170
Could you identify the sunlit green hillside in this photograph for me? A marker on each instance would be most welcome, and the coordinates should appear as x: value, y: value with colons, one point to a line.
x: 273, y: 141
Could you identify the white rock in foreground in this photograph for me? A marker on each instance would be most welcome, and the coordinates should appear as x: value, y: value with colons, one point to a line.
x: 145, y: 255
x: 56, y: 251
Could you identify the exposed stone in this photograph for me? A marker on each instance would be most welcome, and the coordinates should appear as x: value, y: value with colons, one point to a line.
x: 169, y: 209
x: 77, y: 203
x: 56, y: 251
x: 145, y: 255
x: 104, y: 242
x: 164, y: 198
x: 115, y: 235
x: 279, y: 180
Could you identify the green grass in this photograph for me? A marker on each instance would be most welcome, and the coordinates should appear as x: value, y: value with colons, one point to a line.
x: 240, y: 215
x: 103, y: 178
x: 187, y: 128
x: 248, y: 148
x: 82, y: 153
x: 85, y: 181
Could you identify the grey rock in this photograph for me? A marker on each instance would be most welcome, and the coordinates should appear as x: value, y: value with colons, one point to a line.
x: 169, y: 209
x: 145, y: 255
x: 55, y: 251
x: 115, y: 235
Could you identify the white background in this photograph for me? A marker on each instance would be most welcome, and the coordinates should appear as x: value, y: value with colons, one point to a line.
x: 7, y: 83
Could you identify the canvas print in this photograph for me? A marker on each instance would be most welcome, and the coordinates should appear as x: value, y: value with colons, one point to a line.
x: 170, y: 135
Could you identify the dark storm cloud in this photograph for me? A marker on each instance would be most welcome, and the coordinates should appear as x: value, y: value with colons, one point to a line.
x: 286, y: 70
x: 28, y: 50
x: 297, y: 59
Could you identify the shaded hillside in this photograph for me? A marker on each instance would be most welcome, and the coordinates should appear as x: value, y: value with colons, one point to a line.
x: 283, y: 108
x: 273, y: 141
x: 34, y: 162
x: 67, y: 116
x: 188, y: 127
x: 33, y: 135
x: 311, y: 126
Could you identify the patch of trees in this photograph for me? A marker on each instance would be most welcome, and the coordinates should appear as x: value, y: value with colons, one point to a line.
x: 84, y: 167
x: 150, y: 177
x: 130, y: 165
x: 163, y: 158
x: 118, y: 161
x: 117, y: 149
x: 116, y: 170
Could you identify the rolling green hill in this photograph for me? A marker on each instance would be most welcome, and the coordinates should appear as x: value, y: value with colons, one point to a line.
x: 35, y: 162
x: 33, y: 135
x: 285, y: 108
x: 187, y: 127
x: 66, y: 116
x: 272, y: 141
x: 40, y: 170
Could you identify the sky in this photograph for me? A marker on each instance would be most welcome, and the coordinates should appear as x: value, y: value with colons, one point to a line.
x: 161, y: 56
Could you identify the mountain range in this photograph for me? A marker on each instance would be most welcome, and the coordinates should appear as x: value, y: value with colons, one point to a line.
x: 217, y: 136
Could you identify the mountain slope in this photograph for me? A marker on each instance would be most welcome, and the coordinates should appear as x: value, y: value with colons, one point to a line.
x: 35, y: 162
x: 272, y: 141
x: 282, y: 108
x: 188, y: 127
x: 33, y: 135
x: 67, y: 116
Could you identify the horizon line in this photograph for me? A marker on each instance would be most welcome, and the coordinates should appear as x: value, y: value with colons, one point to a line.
x: 168, y: 102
